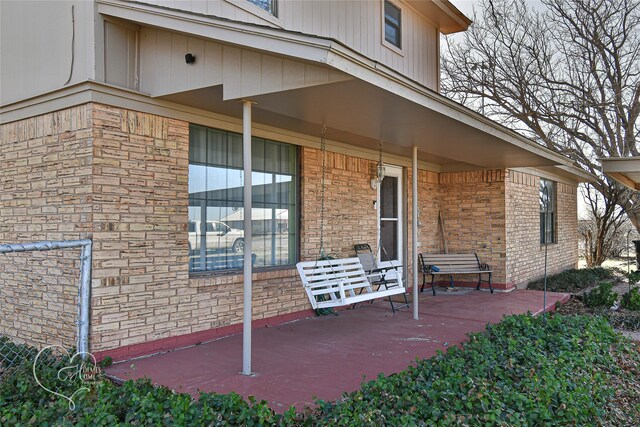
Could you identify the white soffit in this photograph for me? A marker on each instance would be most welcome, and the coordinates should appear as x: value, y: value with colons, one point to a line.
x: 625, y: 170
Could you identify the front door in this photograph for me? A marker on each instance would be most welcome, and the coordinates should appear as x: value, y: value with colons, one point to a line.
x: 390, y: 219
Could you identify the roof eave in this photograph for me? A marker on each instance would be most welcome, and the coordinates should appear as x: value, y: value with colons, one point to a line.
x: 448, y: 18
x: 625, y: 170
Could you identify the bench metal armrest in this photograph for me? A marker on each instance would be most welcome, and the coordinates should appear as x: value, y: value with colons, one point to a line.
x: 383, y: 269
x: 485, y: 267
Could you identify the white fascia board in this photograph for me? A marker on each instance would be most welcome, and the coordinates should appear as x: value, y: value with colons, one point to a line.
x: 620, y: 164
x: 570, y: 174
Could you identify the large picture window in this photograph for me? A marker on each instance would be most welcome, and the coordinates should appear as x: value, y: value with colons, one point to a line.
x: 216, y: 182
x: 547, y: 211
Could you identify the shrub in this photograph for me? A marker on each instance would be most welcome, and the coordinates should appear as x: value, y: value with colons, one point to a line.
x: 522, y: 371
x: 625, y: 319
x: 602, y: 296
x: 631, y: 300
x: 573, y: 280
x: 634, y: 277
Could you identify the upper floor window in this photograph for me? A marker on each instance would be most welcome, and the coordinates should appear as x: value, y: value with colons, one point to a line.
x: 392, y: 24
x: 268, y: 5
x: 547, y: 211
x: 216, y: 214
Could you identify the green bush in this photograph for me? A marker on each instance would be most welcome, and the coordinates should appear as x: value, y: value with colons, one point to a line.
x: 634, y: 277
x: 573, y: 280
x: 602, y: 296
x: 522, y: 371
x: 631, y: 300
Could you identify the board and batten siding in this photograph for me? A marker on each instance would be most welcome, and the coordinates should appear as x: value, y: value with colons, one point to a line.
x: 356, y: 23
x: 242, y: 72
x: 45, y: 46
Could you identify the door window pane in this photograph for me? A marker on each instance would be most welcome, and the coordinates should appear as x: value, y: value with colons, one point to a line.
x: 389, y: 197
x: 389, y: 219
x: 389, y: 240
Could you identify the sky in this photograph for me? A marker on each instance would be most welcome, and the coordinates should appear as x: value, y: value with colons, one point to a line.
x: 466, y: 7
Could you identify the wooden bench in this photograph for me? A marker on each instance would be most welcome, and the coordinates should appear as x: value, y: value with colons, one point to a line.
x: 341, y: 282
x: 450, y: 264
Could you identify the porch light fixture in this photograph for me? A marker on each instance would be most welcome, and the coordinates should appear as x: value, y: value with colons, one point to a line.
x: 380, y: 171
x: 189, y: 58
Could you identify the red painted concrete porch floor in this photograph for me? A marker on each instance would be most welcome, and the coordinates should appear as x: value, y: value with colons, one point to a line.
x: 326, y: 356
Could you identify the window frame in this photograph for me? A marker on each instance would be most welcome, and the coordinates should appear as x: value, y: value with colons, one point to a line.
x: 388, y: 44
x: 553, y: 211
x: 296, y: 250
x: 257, y: 11
x: 274, y: 7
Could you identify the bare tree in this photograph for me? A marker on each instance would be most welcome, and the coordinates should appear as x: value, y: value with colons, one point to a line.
x: 602, y: 232
x: 567, y: 76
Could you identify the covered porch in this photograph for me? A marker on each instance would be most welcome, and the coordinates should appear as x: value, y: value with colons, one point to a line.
x: 336, y: 107
x: 326, y: 356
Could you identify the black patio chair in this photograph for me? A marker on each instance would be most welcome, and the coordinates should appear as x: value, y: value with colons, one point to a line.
x: 379, y: 276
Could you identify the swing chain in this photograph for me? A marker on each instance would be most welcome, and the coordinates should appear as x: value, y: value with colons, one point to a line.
x: 379, y: 179
x: 380, y: 166
x: 323, y: 151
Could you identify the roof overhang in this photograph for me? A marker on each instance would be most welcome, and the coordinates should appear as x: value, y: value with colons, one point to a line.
x: 625, y: 170
x: 443, y: 14
x: 377, y: 103
x: 572, y: 173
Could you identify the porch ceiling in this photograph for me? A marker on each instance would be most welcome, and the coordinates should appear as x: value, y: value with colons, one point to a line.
x: 360, y: 114
x: 377, y: 103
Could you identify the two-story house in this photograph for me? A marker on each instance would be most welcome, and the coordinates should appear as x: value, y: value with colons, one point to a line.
x: 124, y: 122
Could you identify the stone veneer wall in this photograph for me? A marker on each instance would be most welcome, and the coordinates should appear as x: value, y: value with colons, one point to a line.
x: 525, y: 254
x: 350, y: 214
x: 140, y: 279
x: 45, y: 194
x: 474, y: 215
x: 122, y: 177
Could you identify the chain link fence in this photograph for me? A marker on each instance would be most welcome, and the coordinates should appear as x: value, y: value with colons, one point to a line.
x: 44, y: 299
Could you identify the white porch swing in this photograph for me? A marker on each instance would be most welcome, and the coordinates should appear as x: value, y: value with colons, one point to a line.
x: 340, y: 282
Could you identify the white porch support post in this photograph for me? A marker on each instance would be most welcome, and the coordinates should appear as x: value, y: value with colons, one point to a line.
x: 414, y: 230
x: 248, y: 267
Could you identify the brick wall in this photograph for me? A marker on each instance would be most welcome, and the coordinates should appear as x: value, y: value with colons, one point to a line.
x: 350, y: 214
x: 525, y: 254
x: 45, y: 194
x: 474, y: 215
x: 122, y: 177
x: 140, y: 280
x: 142, y: 289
